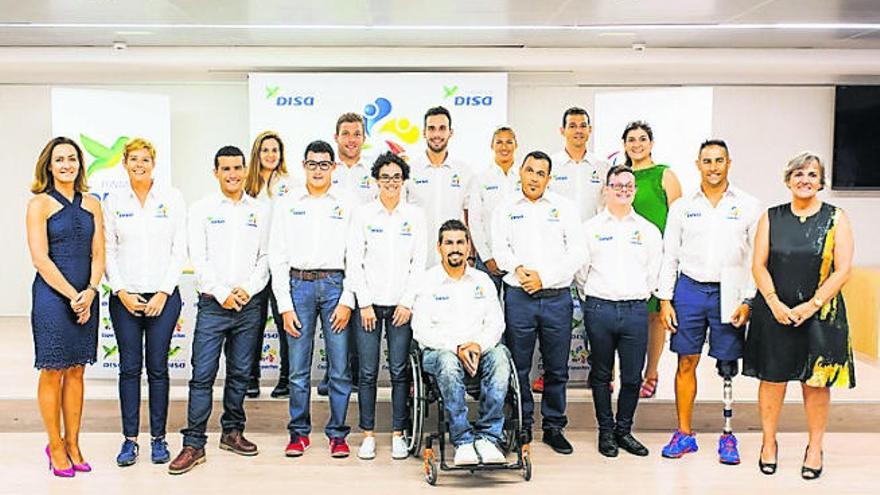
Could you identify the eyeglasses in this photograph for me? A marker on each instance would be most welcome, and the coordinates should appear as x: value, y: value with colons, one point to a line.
x: 313, y: 165
x: 390, y: 178
x: 622, y: 187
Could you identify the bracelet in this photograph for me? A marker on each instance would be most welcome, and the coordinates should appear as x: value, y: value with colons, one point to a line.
x: 90, y: 286
x: 771, y: 293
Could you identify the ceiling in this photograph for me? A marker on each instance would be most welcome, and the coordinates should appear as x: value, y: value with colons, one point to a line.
x: 826, y: 24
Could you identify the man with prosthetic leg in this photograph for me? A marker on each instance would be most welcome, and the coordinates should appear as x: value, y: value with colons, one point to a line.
x: 707, y: 251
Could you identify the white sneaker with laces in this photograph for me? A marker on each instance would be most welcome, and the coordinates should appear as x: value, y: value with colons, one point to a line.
x: 466, y: 455
x: 399, y: 448
x: 488, y: 452
x: 367, y: 450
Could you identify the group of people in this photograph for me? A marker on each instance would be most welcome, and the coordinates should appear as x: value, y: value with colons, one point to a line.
x: 476, y: 265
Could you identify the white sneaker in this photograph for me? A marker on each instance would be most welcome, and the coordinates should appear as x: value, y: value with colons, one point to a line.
x: 368, y: 448
x: 488, y: 452
x: 465, y: 455
x: 399, y: 449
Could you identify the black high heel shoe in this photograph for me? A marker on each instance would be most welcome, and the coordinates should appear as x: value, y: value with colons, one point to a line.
x: 768, y: 468
x: 809, y: 473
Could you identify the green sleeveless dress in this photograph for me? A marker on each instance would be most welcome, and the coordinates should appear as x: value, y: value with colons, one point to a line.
x: 650, y: 202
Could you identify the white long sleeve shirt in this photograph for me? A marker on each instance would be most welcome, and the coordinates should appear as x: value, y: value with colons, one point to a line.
x: 228, y: 245
x: 357, y: 182
x: 580, y: 181
x: 544, y: 235
x: 451, y: 312
x: 701, y: 240
x: 489, y: 188
x: 623, y: 257
x: 442, y: 192
x: 385, y: 258
x: 307, y: 233
x: 145, y: 245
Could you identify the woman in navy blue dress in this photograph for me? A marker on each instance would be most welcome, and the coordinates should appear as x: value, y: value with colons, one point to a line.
x: 66, y: 241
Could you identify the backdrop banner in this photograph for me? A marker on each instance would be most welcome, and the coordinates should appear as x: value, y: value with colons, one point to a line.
x: 102, y: 122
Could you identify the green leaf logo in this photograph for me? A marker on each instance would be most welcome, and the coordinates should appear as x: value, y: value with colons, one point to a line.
x: 449, y: 91
x: 104, y: 157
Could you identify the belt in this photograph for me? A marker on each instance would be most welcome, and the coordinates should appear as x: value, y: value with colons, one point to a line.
x: 310, y: 275
x: 543, y: 293
x: 625, y: 302
x: 710, y: 284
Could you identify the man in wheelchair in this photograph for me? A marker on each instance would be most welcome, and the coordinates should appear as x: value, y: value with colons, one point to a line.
x: 458, y: 322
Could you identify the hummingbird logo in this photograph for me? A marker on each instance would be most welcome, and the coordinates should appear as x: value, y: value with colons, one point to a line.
x: 105, y: 158
x: 271, y: 91
x: 109, y: 351
x: 449, y: 91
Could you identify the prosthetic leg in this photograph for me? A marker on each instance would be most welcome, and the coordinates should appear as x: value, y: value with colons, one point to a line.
x: 727, y: 444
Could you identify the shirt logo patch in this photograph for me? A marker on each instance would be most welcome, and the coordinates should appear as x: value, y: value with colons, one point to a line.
x: 734, y: 213
x: 406, y: 229
x: 456, y: 181
x: 553, y: 215
x: 479, y: 292
x: 161, y: 211
x: 594, y: 177
x: 693, y: 214
x: 374, y: 230
x: 338, y: 213
x: 636, y: 238
x: 440, y: 297
x: 560, y: 177
x: 216, y: 220
x: 295, y: 212
x: 490, y: 187
x: 283, y: 189
x: 365, y: 182
x: 252, y: 220
x: 516, y: 216
x: 604, y: 238
x: 124, y: 214
x: 420, y: 181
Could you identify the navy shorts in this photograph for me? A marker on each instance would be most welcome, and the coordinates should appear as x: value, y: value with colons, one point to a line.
x: 698, y: 307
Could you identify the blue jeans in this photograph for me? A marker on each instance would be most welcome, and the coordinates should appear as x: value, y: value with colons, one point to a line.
x: 235, y: 333
x: 494, y: 376
x: 369, y: 344
x: 314, y: 299
x: 267, y: 303
x: 548, y: 321
x: 132, y: 333
x: 620, y: 326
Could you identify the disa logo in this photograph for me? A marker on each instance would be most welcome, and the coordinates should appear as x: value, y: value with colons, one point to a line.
x: 472, y: 100
x: 288, y: 100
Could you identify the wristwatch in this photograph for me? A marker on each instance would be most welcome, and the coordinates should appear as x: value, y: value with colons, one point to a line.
x: 748, y: 301
x: 90, y: 286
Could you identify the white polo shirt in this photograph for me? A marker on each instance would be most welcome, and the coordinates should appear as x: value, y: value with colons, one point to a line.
x: 145, y: 245
x: 228, y: 245
x: 307, y: 233
x: 580, y: 181
x: 386, y: 257
x: 451, y: 312
x: 544, y: 235
x: 623, y: 257
x: 701, y: 240
x: 441, y: 191
x: 489, y: 188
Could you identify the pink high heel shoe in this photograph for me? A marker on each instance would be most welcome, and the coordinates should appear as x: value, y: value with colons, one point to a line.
x: 81, y: 468
x: 61, y: 473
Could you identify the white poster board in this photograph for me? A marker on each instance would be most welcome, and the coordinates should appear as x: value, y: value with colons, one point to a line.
x: 102, y: 122
x: 681, y: 119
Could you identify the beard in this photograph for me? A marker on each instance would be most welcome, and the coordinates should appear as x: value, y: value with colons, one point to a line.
x: 458, y: 262
x: 438, y: 149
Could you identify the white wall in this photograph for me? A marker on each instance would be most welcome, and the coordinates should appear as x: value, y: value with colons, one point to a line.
x: 764, y: 126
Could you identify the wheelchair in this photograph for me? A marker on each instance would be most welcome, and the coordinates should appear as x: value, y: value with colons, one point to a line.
x: 425, y: 392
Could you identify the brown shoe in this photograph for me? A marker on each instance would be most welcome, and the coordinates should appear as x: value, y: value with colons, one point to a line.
x: 187, y: 459
x: 234, y: 441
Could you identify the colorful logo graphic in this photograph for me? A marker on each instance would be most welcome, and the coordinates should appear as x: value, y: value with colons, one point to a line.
x: 449, y: 91
x: 161, y: 211
x: 734, y: 213
x: 472, y: 99
x: 252, y: 220
x: 269, y: 354
x: 365, y: 182
x: 174, y: 351
x: 376, y: 111
x: 553, y: 215
x: 401, y: 128
x: 579, y: 355
x: 594, y: 177
x: 406, y: 229
x: 283, y: 189
x: 337, y: 213
x: 272, y: 91
x: 109, y: 351
x: 282, y: 100
x: 455, y: 181
x: 104, y: 157
x: 636, y: 238
x: 479, y: 292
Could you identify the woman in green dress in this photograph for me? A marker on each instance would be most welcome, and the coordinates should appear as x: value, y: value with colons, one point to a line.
x: 657, y: 188
x: 803, y: 256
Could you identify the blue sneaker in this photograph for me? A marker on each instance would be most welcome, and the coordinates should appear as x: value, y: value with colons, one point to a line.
x: 128, y: 454
x: 727, y: 451
x: 679, y: 445
x: 159, y: 454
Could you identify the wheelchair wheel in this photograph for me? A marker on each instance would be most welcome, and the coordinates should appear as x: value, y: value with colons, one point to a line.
x: 527, y: 463
x: 513, y: 415
x: 430, y: 466
x: 416, y: 404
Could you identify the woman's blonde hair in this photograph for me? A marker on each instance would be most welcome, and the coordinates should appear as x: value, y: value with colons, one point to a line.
x: 43, y: 179
x: 254, y: 182
x: 139, y: 144
x: 801, y: 161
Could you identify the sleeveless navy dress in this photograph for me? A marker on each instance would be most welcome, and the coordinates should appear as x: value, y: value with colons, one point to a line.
x: 59, y: 341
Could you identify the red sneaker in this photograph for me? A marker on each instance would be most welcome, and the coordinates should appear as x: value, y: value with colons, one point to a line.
x: 297, y: 446
x: 538, y: 384
x: 339, y: 447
